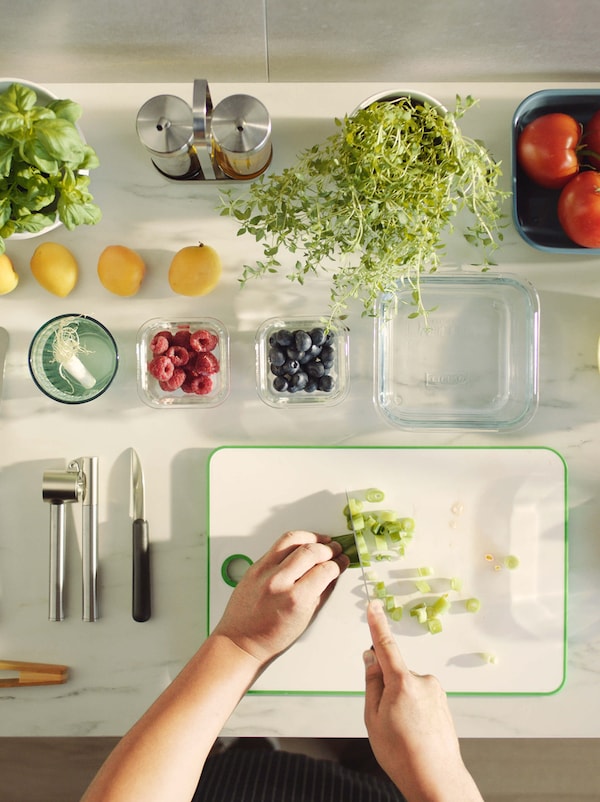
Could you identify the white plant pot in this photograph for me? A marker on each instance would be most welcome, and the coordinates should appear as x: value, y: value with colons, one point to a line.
x: 391, y: 95
x: 43, y: 96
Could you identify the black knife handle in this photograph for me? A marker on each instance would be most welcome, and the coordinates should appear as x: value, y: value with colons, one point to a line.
x: 141, y: 605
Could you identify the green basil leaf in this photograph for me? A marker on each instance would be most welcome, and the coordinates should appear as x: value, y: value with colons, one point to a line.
x: 60, y: 139
x: 5, y: 211
x: 7, y: 148
x: 89, y: 160
x: 13, y: 123
x: 76, y: 214
x: 32, y: 223
x: 65, y: 109
x: 35, y: 153
x: 17, y: 98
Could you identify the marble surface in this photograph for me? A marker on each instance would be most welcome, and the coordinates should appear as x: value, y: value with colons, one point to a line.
x: 118, y: 666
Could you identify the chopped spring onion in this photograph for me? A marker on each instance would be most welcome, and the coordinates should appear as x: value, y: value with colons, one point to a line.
x: 473, y: 605
x: 456, y: 584
x: 419, y: 611
x: 441, y: 605
x: 425, y: 570
x: 396, y: 614
x: 358, y: 522
x: 511, y: 562
x: 488, y: 657
x: 434, y: 625
x: 353, y: 507
x: 423, y: 586
x: 374, y: 495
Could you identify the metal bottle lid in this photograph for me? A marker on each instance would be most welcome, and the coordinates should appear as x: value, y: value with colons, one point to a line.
x: 241, y: 131
x: 165, y: 125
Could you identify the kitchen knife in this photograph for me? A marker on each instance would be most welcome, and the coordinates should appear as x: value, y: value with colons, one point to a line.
x: 141, y: 597
x: 360, y: 562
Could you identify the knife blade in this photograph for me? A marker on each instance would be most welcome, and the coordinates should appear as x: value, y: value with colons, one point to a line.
x: 141, y: 595
x: 360, y: 562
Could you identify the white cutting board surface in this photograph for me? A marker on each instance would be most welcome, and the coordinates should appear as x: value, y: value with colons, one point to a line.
x: 466, y: 502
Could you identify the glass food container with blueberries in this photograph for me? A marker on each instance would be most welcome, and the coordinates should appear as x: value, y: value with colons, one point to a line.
x: 302, y: 361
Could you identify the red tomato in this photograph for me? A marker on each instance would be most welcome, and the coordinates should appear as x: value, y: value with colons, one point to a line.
x: 591, y: 141
x: 579, y: 209
x: 546, y: 149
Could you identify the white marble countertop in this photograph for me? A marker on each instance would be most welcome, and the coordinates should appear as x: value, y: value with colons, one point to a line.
x: 118, y: 666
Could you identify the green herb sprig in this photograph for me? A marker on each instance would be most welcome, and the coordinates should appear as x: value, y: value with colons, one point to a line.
x: 42, y: 155
x: 371, y: 204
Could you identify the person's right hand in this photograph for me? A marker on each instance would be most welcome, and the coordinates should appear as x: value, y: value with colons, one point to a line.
x: 409, y: 724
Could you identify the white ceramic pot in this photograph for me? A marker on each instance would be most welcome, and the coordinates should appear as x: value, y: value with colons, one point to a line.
x: 391, y: 95
x: 43, y: 97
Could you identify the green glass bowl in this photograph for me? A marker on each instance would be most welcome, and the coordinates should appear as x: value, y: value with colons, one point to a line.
x: 95, y: 362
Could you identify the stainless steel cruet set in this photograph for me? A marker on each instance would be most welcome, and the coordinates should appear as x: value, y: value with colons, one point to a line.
x: 202, y: 143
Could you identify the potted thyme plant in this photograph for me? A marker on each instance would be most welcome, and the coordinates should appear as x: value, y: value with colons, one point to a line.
x: 371, y: 204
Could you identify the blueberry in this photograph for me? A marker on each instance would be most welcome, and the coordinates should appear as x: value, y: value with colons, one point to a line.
x: 277, y: 370
x: 280, y: 384
x: 326, y: 384
x: 291, y: 366
x: 302, y: 340
x: 311, y: 386
x: 305, y: 357
x: 298, y: 381
x: 316, y: 369
x: 294, y: 353
x: 284, y: 337
x: 276, y: 357
x: 317, y: 336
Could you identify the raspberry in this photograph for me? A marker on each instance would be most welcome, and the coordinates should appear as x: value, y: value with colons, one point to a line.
x: 178, y: 355
x: 182, y: 338
x: 160, y: 342
x: 203, y: 340
x: 175, y: 382
x: 201, y: 385
x: 206, y: 363
x: 161, y: 368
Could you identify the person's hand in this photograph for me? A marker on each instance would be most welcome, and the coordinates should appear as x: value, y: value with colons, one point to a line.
x: 409, y: 723
x: 279, y: 594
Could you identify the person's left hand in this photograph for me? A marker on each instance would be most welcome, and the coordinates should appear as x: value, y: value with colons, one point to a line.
x: 279, y: 594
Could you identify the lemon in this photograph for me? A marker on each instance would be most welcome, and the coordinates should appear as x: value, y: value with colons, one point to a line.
x: 121, y: 270
x: 55, y: 268
x: 9, y: 277
x: 195, y: 270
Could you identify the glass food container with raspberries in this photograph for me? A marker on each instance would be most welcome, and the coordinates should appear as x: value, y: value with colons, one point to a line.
x: 183, y: 363
x: 302, y: 361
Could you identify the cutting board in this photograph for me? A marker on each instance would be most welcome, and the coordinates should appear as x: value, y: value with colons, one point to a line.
x: 472, y: 508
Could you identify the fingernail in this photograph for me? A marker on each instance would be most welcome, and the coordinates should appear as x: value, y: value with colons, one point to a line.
x: 369, y: 658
